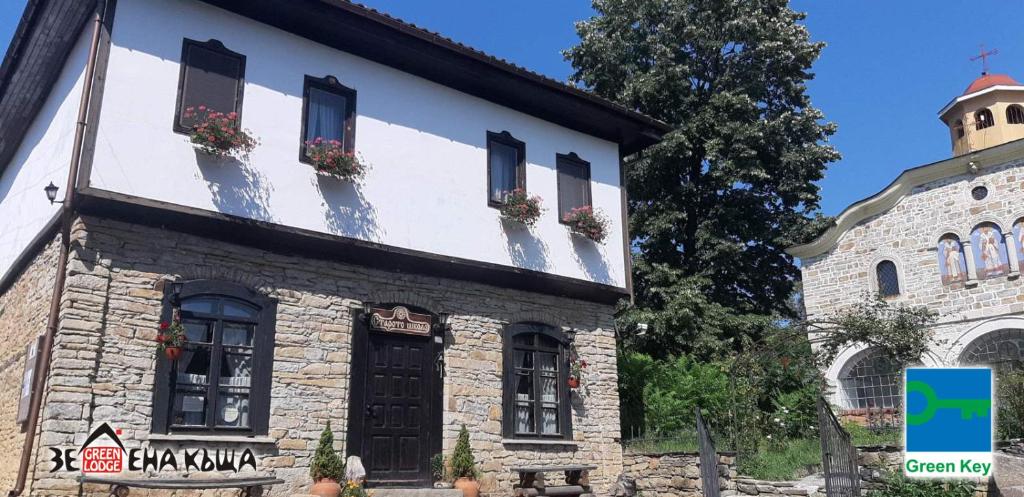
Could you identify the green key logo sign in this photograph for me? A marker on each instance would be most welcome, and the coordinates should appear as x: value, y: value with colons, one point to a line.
x: 948, y: 428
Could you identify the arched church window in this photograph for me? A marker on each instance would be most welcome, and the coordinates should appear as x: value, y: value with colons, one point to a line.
x: 952, y: 262
x: 888, y: 279
x: 999, y: 349
x: 1015, y: 114
x: 870, y: 380
x: 983, y: 119
x: 990, y: 251
x: 958, y: 128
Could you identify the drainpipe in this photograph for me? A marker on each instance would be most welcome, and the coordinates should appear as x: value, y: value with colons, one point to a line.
x: 67, y: 216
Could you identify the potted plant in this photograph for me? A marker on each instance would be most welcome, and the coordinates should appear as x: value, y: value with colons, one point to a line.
x: 327, y: 468
x: 171, y: 339
x: 520, y: 207
x: 329, y: 157
x: 437, y: 470
x: 464, y: 467
x: 587, y: 222
x: 218, y: 134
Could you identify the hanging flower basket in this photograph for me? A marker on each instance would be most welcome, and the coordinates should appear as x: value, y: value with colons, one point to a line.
x: 577, y: 368
x: 586, y: 222
x: 219, y: 135
x: 329, y: 157
x: 171, y: 339
x: 520, y: 207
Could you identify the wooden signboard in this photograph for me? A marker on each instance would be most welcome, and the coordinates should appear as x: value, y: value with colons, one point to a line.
x: 400, y: 320
x: 28, y: 378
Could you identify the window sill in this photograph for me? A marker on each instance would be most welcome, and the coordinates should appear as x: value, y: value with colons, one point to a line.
x: 550, y: 443
x: 184, y: 437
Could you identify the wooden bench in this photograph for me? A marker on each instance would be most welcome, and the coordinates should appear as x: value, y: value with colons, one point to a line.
x: 532, y: 481
x: 120, y: 487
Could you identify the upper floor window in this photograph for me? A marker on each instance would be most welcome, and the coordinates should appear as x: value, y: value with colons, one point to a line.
x: 506, y: 166
x: 221, y: 382
x: 983, y: 119
x: 1015, y: 114
x: 958, y: 128
x: 211, y: 77
x: 536, y: 393
x: 328, y: 113
x: 888, y: 279
x: 573, y: 183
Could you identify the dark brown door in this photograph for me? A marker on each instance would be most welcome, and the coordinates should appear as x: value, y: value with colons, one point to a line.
x: 396, y: 436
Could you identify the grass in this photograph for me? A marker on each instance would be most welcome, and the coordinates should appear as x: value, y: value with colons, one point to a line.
x: 861, y: 435
x: 781, y: 462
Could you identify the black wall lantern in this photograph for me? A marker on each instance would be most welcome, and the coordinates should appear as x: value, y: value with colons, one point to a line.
x: 51, y: 192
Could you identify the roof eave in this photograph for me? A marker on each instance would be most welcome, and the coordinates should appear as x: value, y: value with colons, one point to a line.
x: 961, y: 98
x: 900, y: 187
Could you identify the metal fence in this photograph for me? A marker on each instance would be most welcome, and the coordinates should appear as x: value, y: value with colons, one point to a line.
x: 838, y: 455
x: 708, y: 458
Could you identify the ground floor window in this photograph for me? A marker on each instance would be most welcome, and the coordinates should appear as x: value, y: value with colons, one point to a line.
x: 221, y: 382
x: 536, y: 382
x: 1002, y: 349
x: 870, y: 380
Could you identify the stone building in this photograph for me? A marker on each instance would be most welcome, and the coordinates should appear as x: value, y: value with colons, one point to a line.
x: 399, y: 305
x: 948, y: 236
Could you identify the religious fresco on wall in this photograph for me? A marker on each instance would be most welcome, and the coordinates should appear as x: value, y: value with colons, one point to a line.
x: 952, y: 263
x: 1018, y: 237
x: 989, y: 251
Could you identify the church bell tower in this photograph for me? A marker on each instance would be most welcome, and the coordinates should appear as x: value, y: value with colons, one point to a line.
x: 990, y: 112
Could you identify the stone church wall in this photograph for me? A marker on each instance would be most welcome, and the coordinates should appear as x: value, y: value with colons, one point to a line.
x: 105, y: 353
x: 908, y: 234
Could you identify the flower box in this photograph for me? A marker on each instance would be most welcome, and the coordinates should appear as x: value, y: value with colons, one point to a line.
x: 329, y: 157
x: 586, y: 222
x: 219, y: 135
x: 519, y: 207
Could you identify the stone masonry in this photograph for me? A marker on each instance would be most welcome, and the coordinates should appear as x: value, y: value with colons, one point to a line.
x: 23, y: 312
x: 104, y: 355
x: 908, y: 234
x: 676, y: 474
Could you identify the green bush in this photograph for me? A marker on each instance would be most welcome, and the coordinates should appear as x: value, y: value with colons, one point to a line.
x: 463, y: 464
x: 437, y: 467
x: 326, y: 462
x: 899, y: 486
x: 675, y: 387
x: 1010, y: 404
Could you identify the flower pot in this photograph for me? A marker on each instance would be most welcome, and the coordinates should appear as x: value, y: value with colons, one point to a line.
x: 469, y: 486
x: 325, y: 487
x: 574, y: 382
x: 172, y: 353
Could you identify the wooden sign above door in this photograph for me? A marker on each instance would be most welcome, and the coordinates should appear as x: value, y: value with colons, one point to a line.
x: 400, y: 320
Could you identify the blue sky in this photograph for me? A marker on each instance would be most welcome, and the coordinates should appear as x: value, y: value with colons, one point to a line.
x: 888, y: 68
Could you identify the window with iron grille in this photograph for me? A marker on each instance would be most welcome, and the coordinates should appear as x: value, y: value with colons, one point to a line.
x: 888, y: 279
x: 872, y: 381
x: 1015, y: 114
x: 1002, y: 349
x: 983, y: 119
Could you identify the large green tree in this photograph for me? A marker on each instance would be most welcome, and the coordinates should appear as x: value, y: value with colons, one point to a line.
x: 714, y: 204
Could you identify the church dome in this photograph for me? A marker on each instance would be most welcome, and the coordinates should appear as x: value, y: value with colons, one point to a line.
x: 990, y: 80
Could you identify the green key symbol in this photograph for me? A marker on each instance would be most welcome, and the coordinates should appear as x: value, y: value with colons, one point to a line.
x: 968, y: 407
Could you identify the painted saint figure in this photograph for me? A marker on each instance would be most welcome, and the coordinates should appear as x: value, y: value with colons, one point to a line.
x: 991, y: 254
x: 951, y: 256
x: 989, y: 250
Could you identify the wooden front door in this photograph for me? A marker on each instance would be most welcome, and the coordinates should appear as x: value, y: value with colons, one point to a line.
x: 398, y: 423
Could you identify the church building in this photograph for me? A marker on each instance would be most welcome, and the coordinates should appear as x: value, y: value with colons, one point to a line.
x: 948, y: 236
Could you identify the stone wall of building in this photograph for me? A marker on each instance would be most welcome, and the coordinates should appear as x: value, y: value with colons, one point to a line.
x: 105, y: 355
x: 23, y: 313
x: 675, y: 474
